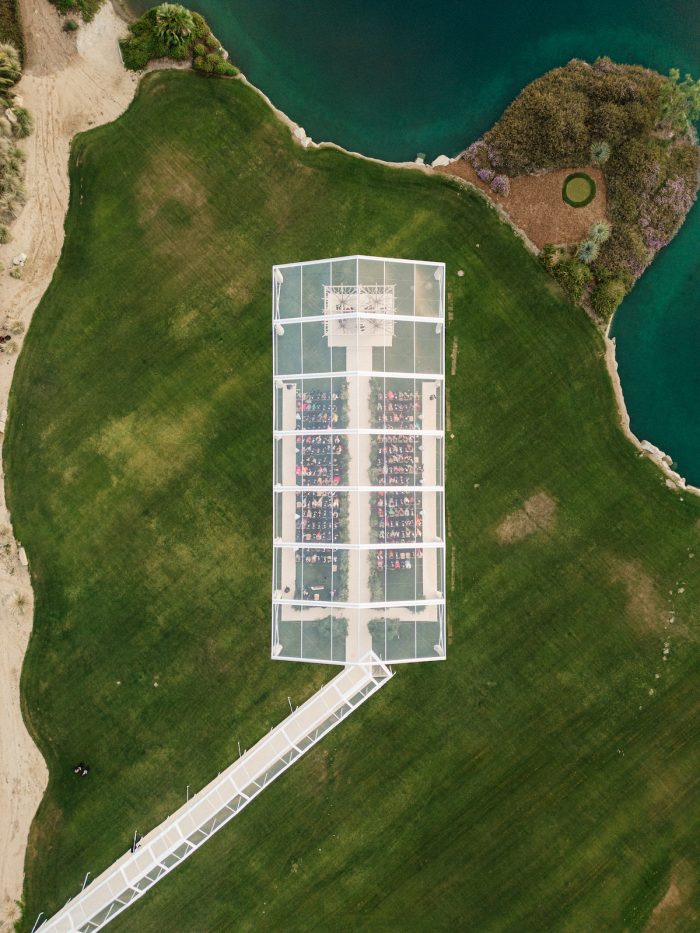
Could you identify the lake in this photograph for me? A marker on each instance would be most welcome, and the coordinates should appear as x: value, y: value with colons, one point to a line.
x: 393, y: 79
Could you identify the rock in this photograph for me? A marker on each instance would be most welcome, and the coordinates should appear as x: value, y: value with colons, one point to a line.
x: 19, y: 259
x: 441, y: 160
x: 300, y: 133
x: 11, y: 116
x: 23, y: 557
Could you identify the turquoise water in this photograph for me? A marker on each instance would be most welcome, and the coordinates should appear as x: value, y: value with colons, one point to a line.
x: 392, y: 79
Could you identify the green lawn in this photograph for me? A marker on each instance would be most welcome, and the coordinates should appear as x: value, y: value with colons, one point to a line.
x: 530, y: 782
x: 579, y: 189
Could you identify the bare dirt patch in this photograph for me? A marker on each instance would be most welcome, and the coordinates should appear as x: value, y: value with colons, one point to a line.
x: 535, y: 204
x: 645, y: 607
x: 170, y: 177
x: 538, y: 513
x: 673, y: 910
x: 151, y: 450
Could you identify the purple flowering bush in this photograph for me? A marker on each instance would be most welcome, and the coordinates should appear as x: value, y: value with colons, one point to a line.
x: 501, y: 184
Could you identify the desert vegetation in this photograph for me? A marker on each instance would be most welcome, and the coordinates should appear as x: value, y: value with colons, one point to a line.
x: 172, y: 31
x: 15, y: 123
x: 10, y: 29
x: 637, y: 126
x: 86, y: 9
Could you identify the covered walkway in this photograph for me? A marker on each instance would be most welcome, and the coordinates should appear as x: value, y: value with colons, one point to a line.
x: 188, y: 828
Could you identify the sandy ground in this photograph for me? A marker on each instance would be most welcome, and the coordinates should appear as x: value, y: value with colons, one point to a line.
x: 70, y: 83
x: 537, y: 514
x: 535, y: 204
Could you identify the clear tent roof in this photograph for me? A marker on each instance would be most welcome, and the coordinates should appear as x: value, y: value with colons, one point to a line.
x: 359, y: 530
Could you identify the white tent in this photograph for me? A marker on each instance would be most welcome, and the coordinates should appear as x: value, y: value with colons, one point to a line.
x: 359, y: 527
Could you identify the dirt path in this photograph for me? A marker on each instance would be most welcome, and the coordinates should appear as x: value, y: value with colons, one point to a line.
x: 535, y: 204
x: 70, y: 83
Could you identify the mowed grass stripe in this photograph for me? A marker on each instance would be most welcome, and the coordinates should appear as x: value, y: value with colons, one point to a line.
x: 485, y: 793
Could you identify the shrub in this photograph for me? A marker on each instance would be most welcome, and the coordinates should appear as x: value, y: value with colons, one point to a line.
x: 623, y: 254
x: 599, y: 232
x: 573, y: 276
x: 338, y: 627
x: 4, y: 234
x: 174, y: 25
x: 70, y: 25
x: 136, y: 53
x: 501, y: 185
x: 679, y: 101
x: 24, y: 125
x: 164, y: 32
x: 606, y: 296
x: 607, y: 114
x: 588, y: 251
x: 600, y: 153
x: 477, y: 155
x: 610, y: 122
x: 11, y: 185
x: 548, y: 255
x: 10, y: 66
x: 556, y: 119
x: 226, y: 69
x: 202, y: 63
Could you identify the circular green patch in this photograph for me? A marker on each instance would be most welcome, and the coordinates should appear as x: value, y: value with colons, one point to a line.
x: 578, y: 190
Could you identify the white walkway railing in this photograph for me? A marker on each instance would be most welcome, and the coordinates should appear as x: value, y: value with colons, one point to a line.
x: 188, y: 828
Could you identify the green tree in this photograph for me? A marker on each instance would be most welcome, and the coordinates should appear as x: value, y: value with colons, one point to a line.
x: 680, y: 101
x: 174, y: 25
